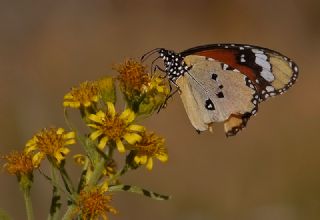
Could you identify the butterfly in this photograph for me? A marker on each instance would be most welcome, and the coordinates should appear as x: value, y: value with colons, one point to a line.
x: 226, y: 82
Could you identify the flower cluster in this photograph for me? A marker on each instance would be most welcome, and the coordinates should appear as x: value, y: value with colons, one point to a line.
x: 143, y: 93
x: 107, y: 132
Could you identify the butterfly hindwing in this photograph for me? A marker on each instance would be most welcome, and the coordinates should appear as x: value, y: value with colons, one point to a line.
x: 271, y: 72
x: 212, y: 92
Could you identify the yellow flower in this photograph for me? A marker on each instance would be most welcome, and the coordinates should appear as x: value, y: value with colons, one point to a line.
x: 83, y: 96
x: 133, y: 76
x: 50, y: 142
x: 156, y: 93
x: 159, y: 85
x: 95, y: 203
x: 111, y: 126
x: 149, y: 147
x: 143, y: 92
x: 19, y: 163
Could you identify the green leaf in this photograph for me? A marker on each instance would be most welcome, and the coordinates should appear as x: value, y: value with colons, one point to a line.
x: 138, y: 190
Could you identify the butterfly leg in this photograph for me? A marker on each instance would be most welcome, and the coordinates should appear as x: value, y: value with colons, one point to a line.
x: 156, y: 67
x: 172, y: 93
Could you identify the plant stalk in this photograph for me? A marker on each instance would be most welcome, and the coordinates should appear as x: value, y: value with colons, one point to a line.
x: 28, y: 203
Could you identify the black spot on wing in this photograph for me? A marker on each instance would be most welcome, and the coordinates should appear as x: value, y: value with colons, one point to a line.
x: 209, y: 105
x: 214, y: 76
x: 220, y: 95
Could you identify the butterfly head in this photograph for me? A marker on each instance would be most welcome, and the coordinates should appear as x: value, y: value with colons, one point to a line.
x: 173, y: 63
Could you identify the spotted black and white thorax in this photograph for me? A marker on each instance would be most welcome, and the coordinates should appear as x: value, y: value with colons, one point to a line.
x: 174, y: 64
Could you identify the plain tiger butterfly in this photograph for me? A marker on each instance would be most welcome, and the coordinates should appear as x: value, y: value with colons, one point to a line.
x: 226, y: 82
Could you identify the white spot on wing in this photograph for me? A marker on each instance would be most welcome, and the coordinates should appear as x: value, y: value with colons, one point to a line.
x: 242, y: 60
x: 267, y: 75
x: 269, y: 88
x: 256, y: 51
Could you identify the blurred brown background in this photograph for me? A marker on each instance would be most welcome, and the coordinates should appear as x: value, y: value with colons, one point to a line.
x: 271, y: 170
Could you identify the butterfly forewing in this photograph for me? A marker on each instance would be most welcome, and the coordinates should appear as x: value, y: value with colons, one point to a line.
x: 271, y: 72
x: 211, y: 94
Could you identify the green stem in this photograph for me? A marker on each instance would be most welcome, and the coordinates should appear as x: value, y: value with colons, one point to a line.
x: 66, y: 180
x: 28, y: 203
x: 70, y: 214
x: 96, y: 173
x: 119, y: 174
x: 55, y: 202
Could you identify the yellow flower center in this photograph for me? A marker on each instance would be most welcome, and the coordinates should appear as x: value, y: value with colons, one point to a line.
x: 113, y: 127
x: 48, y: 141
x: 18, y: 163
x: 95, y: 203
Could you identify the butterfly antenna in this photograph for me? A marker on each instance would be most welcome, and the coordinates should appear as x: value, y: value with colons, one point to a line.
x: 150, y: 53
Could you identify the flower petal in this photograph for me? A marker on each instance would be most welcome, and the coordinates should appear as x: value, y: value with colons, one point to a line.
x: 95, y: 134
x: 160, y: 89
x: 94, y: 126
x: 132, y: 138
x: 143, y: 159
x: 30, y: 148
x: 120, y: 146
x: 136, y: 128
x: 149, y: 163
x: 64, y: 150
x: 104, y: 186
x: 87, y: 103
x: 72, y: 104
x: 69, y: 135
x: 32, y: 141
x: 59, y: 157
x: 37, y: 158
x: 69, y: 142
x: 103, y: 142
x: 111, y: 109
x: 97, y: 117
x: 127, y: 115
x: 101, y: 114
x: 60, y: 131
x: 95, y: 98
x: 137, y: 159
x: 68, y: 96
x: 162, y: 157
